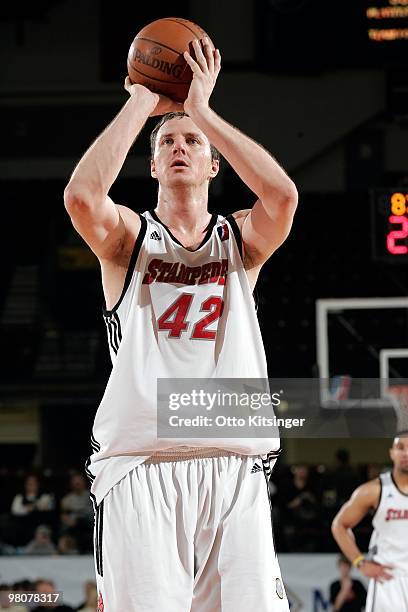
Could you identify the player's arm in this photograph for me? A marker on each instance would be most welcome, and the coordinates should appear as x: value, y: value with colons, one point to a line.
x: 365, y: 498
x: 102, y: 224
x: 268, y: 223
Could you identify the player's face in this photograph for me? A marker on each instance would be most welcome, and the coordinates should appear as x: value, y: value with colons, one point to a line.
x: 399, y: 454
x: 182, y: 155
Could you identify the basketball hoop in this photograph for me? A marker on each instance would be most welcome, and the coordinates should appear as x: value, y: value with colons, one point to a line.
x: 399, y: 398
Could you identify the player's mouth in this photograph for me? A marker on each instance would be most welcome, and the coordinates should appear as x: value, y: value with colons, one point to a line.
x: 178, y: 163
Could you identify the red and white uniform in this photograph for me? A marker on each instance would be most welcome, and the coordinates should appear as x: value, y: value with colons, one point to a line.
x: 182, y: 313
x: 176, y: 535
x: 389, y: 546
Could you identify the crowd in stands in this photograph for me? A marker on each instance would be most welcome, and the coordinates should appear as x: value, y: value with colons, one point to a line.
x: 50, y: 515
x: 42, y: 522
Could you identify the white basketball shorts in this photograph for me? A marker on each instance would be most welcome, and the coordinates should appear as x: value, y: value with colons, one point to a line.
x: 388, y: 596
x: 192, y: 535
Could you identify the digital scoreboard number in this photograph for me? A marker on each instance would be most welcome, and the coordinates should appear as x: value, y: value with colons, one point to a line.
x: 390, y: 225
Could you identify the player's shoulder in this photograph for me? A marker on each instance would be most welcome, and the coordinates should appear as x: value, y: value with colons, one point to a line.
x: 368, y: 492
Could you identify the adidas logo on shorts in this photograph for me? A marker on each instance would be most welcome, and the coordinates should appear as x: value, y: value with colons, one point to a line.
x: 155, y: 236
x: 256, y: 468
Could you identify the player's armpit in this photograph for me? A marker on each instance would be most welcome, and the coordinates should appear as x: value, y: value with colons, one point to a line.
x: 105, y: 227
x: 267, y: 226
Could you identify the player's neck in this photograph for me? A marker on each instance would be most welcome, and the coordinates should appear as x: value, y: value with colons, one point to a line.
x: 184, y: 207
x: 401, y: 480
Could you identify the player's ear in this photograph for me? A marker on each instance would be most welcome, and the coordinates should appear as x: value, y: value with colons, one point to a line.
x: 215, y: 166
x: 391, y: 453
x: 153, y: 169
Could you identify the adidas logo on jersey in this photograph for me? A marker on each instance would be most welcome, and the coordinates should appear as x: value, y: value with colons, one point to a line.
x: 155, y: 236
x: 256, y: 468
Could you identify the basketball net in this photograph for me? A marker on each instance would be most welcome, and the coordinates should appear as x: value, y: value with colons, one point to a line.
x: 399, y: 397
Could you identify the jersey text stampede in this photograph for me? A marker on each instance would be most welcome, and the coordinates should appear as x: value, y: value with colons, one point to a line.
x: 160, y: 271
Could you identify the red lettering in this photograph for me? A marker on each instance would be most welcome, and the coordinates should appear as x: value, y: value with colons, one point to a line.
x: 205, y: 274
x: 191, y: 275
x: 215, y: 271
x: 182, y: 274
x: 164, y: 268
x: 153, y: 268
x: 224, y: 270
x: 172, y: 275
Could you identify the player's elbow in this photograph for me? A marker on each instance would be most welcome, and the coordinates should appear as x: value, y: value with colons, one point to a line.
x: 290, y: 195
x: 336, y: 527
x: 76, y: 201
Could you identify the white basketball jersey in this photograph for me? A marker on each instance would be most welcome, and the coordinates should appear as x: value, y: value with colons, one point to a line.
x: 181, y: 314
x: 389, y: 541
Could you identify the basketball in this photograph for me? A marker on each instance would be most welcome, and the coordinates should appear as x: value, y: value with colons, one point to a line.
x: 155, y: 57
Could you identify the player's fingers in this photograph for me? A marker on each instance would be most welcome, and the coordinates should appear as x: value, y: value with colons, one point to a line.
x: 198, y: 50
x: 208, y: 54
x: 193, y: 64
x: 217, y: 61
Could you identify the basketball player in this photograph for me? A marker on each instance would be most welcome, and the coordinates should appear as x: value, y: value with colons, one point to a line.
x: 180, y: 528
x: 387, y: 561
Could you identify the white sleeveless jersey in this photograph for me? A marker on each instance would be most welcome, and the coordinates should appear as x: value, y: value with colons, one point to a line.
x: 389, y: 541
x: 181, y: 314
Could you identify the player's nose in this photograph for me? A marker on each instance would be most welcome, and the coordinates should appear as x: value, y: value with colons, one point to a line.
x: 179, y: 145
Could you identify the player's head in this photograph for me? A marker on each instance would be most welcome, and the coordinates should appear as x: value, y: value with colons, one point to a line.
x: 399, y: 452
x: 181, y: 154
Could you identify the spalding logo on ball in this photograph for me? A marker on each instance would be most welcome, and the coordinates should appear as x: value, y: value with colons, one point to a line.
x: 155, y: 57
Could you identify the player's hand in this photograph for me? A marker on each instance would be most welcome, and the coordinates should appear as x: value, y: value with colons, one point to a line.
x: 206, y: 68
x: 371, y: 569
x: 163, y: 103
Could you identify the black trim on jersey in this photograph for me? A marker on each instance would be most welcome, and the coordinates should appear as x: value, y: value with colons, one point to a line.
x: 267, y: 471
x: 131, y: 266
x: 98, y: 539
x: 397, y: 487
x: 208, y: 233
x: 88, y: 472
x: 237, y: 234
x: 379, y: 499
x: 95, y: 444
x: 114, y: 331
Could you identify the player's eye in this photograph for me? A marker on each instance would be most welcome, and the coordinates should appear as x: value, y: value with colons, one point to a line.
x: 192, y: 140
x: 167, y: 140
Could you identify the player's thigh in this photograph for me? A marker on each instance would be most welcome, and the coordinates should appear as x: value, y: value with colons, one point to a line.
x: 248, y: 565
x: 143, y: 557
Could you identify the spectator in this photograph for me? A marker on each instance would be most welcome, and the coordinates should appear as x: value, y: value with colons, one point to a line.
x: 31, y: 508
x: 344, y: 476
x: 67, y: 545
x: 48, y: 587
x: 77, y: 513
x: 347, y: 594
x: 300, y: 512
x: 91, y: 597
x: 42, y: 543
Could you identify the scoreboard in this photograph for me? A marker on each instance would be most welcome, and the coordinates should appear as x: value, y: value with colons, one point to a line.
x: 389, y: 209
x: 308, y: 36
